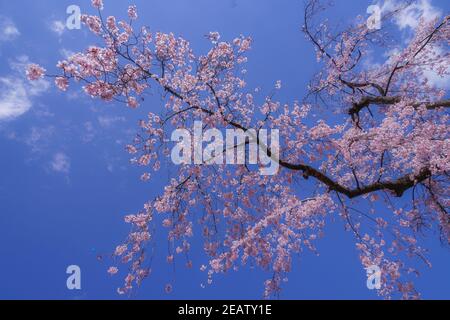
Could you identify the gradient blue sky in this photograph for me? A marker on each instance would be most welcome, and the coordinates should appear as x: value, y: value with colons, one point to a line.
x: 65, y: 180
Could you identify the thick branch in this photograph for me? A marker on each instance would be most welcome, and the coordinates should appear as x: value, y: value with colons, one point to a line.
x: 398, y: 186
x: 369, y: 100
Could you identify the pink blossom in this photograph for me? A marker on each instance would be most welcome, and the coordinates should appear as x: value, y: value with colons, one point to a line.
x: 132, y: 12
x: 35, y: 72
x: 278, y: 85
x: 97, y: 4
x: 113, y: 270
x: 167, y: 223
x: 131, y: 149
x: 144, y: 160
x: 132, y: 102
x: 62, y: 83
x: 93, y: 22
x: 120, y: 250
x: 214, y: 36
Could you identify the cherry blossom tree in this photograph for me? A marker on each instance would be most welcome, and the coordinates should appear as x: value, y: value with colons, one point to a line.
x: 378, y: 158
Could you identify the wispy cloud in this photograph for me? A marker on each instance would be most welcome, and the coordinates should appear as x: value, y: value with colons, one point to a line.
x: 16, y: 93
x: 8, y: 30
x: 109, y: 121
x: 435, y: 79
x: 410, y: 16
x: 14, y: 99
x: 89, y: 132
x: 58, y: 27
x: 66, y: 53
x: 60, y: 163
x: 39, y: 138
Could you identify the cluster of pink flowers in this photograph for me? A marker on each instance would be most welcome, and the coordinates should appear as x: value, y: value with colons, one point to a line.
x: 214, y: 37
x: 132, y: 102
x: 132, y: 251
x: 35, y: 72
x: 97, y: 4
x: 62, y: 83
x: 132, y: 12
x: 113, y: 270
x: 93, y: 22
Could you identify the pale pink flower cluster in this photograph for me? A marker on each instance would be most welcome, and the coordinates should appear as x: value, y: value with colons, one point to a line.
x: 278, y: 85
x: 113, y: 270
x: 131, y: 149
x: 120, y: 250
x: 132, y: 102
x: 214, y: 37
x: 93, y: 22
x: 62, y: 83
x: 111, y: 25
x: 97, y: 4
x: 132, y: 251
x: 35, y: 72
x: 132, y: 12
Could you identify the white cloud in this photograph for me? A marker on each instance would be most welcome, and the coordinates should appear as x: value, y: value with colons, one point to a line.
x: 8, y: 30
x: 410, y: 16
x: 60, y: 163
x: 110, y: 167
x: 89, y: 132
x: 109, y: 121
x: 16, y: 92
x: 391, y: 54
x: 39, y: 138
x: 437, y: 81
x: 14, y: 100
x: 434, y: 79
x: 66, y: 53
x: 58, y: 27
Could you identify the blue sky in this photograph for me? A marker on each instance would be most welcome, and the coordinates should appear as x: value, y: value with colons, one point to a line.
x: 66, y: 181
